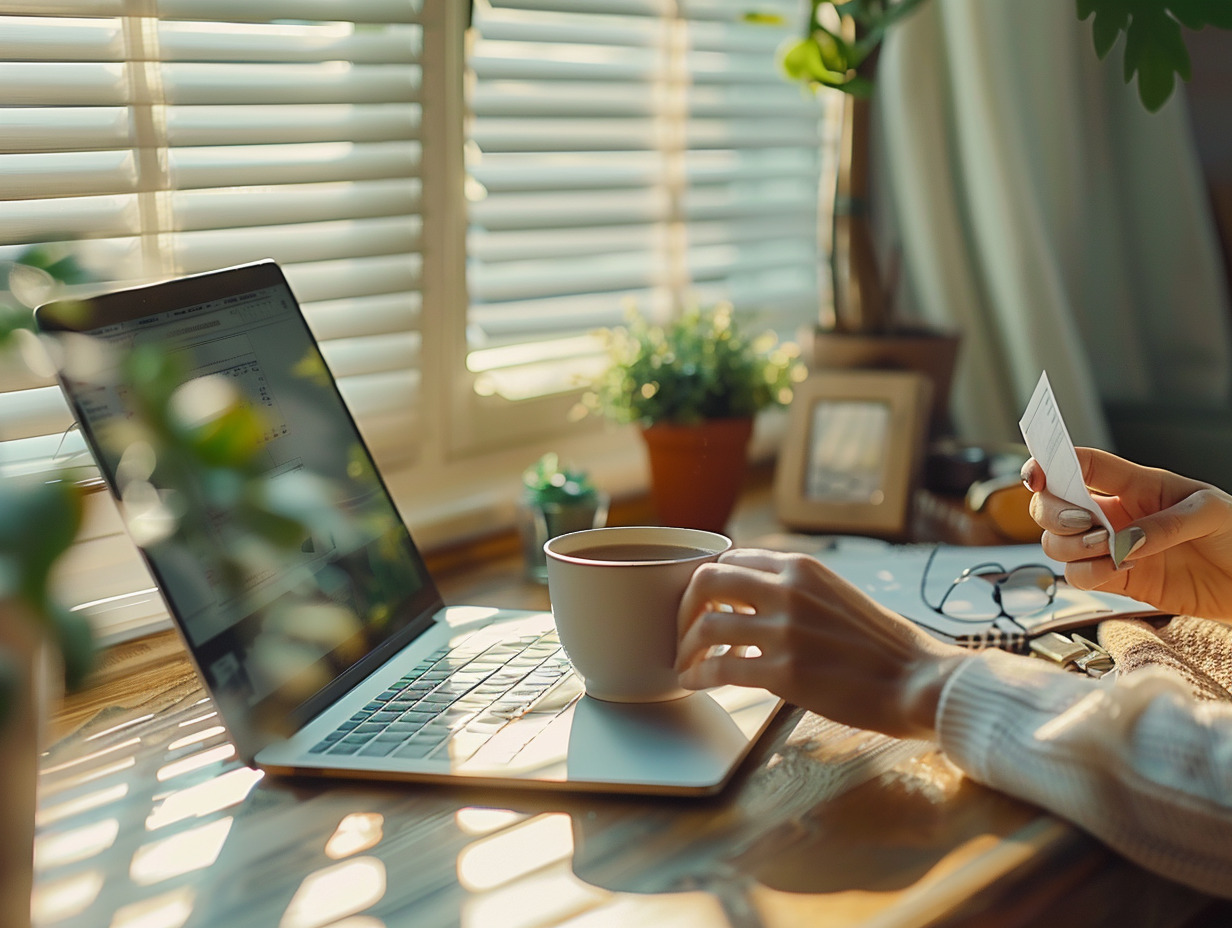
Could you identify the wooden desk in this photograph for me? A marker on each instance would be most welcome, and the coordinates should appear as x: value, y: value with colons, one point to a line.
x: 148, y: 820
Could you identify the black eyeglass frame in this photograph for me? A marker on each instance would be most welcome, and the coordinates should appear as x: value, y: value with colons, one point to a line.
x: 981, y: 570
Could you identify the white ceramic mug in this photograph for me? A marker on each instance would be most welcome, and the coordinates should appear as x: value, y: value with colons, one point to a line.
x: 615, y: 593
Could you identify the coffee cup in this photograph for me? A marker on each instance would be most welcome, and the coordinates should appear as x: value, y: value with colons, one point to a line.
x: 615, y: 593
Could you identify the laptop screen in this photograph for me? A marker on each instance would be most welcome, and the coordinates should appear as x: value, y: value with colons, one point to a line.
x: 280, y: 644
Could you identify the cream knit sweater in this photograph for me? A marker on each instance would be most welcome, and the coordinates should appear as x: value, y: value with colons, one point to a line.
x: 1143, y: 763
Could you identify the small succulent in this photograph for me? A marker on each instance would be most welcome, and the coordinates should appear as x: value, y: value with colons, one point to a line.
x: 548, y: 483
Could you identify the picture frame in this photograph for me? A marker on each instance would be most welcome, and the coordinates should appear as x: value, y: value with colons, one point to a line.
x: 854, y: 452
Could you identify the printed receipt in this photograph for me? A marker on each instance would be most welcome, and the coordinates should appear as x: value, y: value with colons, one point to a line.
x: 1048, y: 440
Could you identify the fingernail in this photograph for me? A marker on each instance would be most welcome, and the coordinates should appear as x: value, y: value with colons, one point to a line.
x: 1126, y: 542
x: 1095, y: 538
x: 1075, y: 518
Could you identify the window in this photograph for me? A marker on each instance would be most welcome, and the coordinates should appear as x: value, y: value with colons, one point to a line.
x: 602, y: 150
x: 194, y: 140
x: 163, y: 138
x: 626, y: 151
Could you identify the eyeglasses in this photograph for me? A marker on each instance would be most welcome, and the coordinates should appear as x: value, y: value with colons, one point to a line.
x: 1007, y: 594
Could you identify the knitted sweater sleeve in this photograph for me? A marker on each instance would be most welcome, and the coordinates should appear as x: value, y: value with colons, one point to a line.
x: 1140, y: 764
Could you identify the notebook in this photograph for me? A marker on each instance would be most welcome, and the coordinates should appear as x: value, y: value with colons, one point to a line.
x: 382, y: 679
x: 896, y: 577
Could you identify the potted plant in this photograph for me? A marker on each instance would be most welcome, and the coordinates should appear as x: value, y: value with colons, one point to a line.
x: 862, y: 330
x: 841, y: 38
x: 839, y: 50
x: 694, y: 385
x: 555, y: 500
x: 206, y: 450
x: 41, y: 642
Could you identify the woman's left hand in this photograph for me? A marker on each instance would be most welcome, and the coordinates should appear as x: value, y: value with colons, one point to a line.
x: 820, y: 643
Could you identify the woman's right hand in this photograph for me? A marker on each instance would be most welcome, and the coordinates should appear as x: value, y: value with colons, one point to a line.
x: 1182, y: 561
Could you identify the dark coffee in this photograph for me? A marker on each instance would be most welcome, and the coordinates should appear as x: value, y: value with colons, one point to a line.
x: 639, y: 552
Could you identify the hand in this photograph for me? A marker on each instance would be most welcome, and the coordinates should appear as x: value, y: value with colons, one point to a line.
x: 1182, y: 564
x: 820, y: 643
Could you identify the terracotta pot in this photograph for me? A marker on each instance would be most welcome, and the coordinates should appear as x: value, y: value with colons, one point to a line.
x: 697, y: 471
x: 22, y: 649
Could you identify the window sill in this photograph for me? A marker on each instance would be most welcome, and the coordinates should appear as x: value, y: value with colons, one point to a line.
x: 463, y: 500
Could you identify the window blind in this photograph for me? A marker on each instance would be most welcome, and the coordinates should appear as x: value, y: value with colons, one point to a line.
x: 643, y: 152
x: 617, y: 149
x: 153, y: 138
x: 204, y: 134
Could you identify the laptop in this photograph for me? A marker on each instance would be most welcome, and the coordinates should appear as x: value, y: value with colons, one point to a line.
x: 373, y: 676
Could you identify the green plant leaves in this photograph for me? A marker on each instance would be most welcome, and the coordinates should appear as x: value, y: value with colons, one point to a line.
x: 62, y: 266
x: 8, y: 686
x: 547, y: 482
x: 12, y: 319
x: 1154, y: 44
x: 75, y: 638
x: 699, y: 366
x: 232, y: 436
x: 1192, y: 14
x: 38, y: 521
x: 39, y: 516
x: 806, y: 61
x: 1155, y: 51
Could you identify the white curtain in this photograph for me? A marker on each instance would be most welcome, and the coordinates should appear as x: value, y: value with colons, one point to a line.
x: 1041, y: 210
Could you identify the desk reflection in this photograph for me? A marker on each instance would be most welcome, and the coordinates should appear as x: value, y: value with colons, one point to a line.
x: 148, y: 820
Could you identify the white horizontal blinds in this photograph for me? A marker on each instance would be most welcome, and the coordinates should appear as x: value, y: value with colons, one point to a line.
x: 67, y: 170
x: 625, y: 150
x: 166, y: 137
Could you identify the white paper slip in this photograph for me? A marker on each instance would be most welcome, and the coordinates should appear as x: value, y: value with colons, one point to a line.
x: 1048, y: 440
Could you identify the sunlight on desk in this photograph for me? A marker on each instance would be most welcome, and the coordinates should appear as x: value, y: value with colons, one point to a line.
x: 195, y: 762
x: 130, y: 743
x: 549, y: 895
x: 196, y: 738
x: 360, y: 831
x: 521, y: 874
x: 170, y: 910
x: 60, y: 899
x: 515, y: 852
x: 475, y: 821
x: 75, y: 845
x: 194, y: 849
x: 198, y: 801
x: 335, y: 892
x: 56, y: 813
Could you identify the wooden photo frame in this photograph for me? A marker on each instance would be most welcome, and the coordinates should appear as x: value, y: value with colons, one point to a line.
x: 853, y: 453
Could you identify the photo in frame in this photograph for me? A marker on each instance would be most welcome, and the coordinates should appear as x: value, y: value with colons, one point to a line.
x: 853, y: 454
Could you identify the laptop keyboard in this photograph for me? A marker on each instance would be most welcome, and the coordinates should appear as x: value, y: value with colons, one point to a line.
x: 459, y: 696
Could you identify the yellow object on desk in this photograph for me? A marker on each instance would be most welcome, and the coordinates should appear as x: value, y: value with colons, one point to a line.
x: 1006, y: 503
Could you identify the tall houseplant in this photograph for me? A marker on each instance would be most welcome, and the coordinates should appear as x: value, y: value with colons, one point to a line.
x: 861, y: 328
x: 839, y: 50
x: 201, y: 475
x: 41, y: 642
x: 693, y: 385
